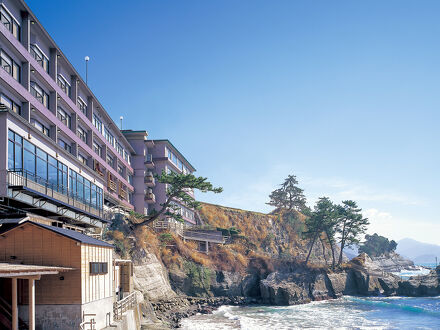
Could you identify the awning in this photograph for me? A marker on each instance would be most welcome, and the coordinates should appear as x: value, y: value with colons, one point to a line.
x: 17, y: 270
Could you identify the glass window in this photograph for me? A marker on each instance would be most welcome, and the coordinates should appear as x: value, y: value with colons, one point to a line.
x: 109, y: 137
x: 82, y: 159
x: 97, y: 123
x: 63, y: 116
x: 9, y: 22
x: 11, y: 105
x: 82, y: 134
x: 119, y: 149
x: 6, y: 62
x: 63, y: 144
x: 39, y: 56
x: 40, y: 94
x: 110, y: 160
x: 82, y: 105
x: 97, y: 148
x: 43, y: 129
x: 64, y: 85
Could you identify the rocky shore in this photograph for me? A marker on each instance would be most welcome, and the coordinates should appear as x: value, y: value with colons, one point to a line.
x: 171, y: 312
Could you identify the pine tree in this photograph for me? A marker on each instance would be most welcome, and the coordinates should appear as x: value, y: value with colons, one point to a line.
x: 351, y: 224
x: 289, y: 196
x: 178, y: 185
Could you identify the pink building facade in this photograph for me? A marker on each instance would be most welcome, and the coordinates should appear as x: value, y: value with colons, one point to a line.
x: 62, y: 155
x: 152, y: 157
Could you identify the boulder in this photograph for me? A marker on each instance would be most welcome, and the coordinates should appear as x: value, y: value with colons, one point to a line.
x: 419, y: 286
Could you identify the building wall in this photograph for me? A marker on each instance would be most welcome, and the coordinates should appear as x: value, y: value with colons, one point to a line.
x: 103, y: 309
x: 33, y: 245
x: 19, y: 92
x: 96, y: 286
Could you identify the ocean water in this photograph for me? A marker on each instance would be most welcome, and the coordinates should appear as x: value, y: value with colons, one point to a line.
x: 344, y: 313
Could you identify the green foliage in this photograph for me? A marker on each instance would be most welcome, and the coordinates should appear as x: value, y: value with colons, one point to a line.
x: 178, y: 186
x: 351, y: 224
x: 289, y: 196
x: 199, y: 277
x: 376, y: 245
x: 295, y: 222
x: 120, y: 247
x: 165, y: 238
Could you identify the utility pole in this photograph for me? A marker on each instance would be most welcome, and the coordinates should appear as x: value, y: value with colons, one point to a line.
x: 87, y: 62
x: 121, y: 118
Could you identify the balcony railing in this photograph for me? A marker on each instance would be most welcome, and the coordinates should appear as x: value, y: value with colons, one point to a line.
x: 150, y: 197
x: 149, y: 161
x: 25, y: 179
x: 149, y: 180
x: 121, y: 306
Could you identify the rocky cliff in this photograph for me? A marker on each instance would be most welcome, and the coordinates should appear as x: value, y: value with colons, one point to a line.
x: 393, y: 262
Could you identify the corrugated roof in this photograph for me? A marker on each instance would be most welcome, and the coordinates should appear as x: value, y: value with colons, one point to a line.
x: 76, y: 236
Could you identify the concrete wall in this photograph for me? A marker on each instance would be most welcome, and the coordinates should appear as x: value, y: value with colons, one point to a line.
x: 103, y: 309
x: 53, y: 316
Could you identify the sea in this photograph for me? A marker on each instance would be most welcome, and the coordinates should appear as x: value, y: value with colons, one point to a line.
x: 348, y: 312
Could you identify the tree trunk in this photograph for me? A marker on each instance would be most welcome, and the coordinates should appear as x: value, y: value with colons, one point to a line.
x: 342, y: 244
x: 323, y: 250
x: 310, y: 250
x: 330, y: 242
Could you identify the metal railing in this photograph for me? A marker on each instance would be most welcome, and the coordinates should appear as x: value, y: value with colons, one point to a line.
x: 121, y: 306
x: 91, y: 322
x: 23, y: 178
x: 204, y: 236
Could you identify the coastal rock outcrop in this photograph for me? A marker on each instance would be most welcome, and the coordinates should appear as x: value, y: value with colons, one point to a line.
x: 419, y: 286
x: 393, y: 263
x: 298, y: 287
x: 150, y: 276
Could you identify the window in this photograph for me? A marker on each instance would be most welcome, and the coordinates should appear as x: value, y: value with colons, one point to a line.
x: 84, y: 190
x: 11, y: 105
x: 40, y: 94
x: 40, y: 57
x: 109, y: 137
x: 46, y: 170
x: 119, y: 149
x: 98, y: 268
x: 97, y: 123
x: 63, y: 116
x: 110, y: 160
x: 63, y: 144
x: 97, y: 148
x: 121, y: 170
x: 43, y: 129
x: 127, y: 156
x: 82, y: 159
x: 9, y: 22
x: 82, y: 134
x: 82, y: 105
x: 64, y: 85
x: 10, y: 66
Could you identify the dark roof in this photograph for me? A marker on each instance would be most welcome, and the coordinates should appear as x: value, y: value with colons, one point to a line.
x: 76, y: 236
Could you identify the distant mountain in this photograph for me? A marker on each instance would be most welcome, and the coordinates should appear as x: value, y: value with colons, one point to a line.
x: 418, y: 252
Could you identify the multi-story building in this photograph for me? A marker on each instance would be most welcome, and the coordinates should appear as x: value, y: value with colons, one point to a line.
x: 62, y: 156
x: 153, y: 157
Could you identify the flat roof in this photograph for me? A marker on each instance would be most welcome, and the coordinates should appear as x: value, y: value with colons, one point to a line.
x: 18, y: 270
x: 176, y: 150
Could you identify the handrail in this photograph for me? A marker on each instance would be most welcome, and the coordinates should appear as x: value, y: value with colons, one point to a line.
x: 121, y: 306
x: 20, y: 178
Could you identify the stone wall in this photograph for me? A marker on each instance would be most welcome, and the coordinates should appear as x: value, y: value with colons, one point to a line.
x: 53, y: 316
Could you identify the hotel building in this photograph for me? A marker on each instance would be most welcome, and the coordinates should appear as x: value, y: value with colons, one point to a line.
x: 64, y: 166
x: 152, y: 157
x: 62, y: 155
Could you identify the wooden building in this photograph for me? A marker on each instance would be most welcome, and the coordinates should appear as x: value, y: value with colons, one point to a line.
x: 65, y: 279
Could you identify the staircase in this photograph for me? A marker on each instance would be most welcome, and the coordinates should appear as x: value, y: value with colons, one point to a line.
x: 6, y: 316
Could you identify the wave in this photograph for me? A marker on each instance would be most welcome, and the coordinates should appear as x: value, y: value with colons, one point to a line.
x: 388, y: 305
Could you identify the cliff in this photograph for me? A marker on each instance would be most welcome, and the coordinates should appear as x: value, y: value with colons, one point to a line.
x: 393, y: 262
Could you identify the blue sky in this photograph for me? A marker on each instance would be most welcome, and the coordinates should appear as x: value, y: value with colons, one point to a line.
x: 344, y: 94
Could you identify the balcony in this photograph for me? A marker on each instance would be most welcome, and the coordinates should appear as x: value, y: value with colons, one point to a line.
x: 149, y: 180
x: 150, y: 198
x: 31, y: 184
x: 149, y: 161
x: 111, y: 184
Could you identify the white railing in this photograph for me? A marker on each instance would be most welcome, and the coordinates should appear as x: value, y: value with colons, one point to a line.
x: 91, y: 322
x: 121, y: 306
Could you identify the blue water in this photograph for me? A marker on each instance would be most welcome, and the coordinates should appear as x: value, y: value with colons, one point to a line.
x: 347, y: 312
